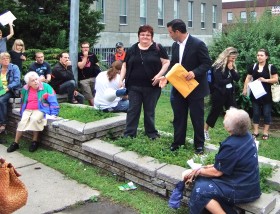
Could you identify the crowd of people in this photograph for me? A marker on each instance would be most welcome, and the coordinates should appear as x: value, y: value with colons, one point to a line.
x: 134, y: 82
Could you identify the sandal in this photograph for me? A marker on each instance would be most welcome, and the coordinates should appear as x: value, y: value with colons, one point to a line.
x: 2, y: 128
x: 265, y: 136
x: 74, y: 101
x: 255, y: 135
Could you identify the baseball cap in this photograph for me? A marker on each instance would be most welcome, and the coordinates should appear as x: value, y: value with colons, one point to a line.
x: 119, y: 45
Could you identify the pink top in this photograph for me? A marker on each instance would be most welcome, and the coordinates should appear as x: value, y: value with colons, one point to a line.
x: 32, y: 100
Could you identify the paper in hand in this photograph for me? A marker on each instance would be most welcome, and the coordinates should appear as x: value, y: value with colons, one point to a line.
x: 257, y: 88
x: 7, y: 18
x: 177, y: 77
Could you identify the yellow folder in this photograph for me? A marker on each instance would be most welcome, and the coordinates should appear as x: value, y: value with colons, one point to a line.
x: 176, y: 76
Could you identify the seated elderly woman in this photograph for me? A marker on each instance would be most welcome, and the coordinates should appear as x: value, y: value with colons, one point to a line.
x: 38, y: 99
x: 10, y: 80
x: 234, y: 177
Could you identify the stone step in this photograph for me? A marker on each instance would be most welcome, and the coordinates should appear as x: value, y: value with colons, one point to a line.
x: 264, y: 205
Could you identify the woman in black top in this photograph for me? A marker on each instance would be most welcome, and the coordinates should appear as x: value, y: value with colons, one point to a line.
x: 144, y: 63
x: 224, y: 72
x: 263, y: 104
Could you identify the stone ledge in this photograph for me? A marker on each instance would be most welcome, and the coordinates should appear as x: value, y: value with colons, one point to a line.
x: 264, y: 205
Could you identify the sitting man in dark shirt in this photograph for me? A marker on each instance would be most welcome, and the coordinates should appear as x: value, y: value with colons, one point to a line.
x: 41, y: 67
x: 63, y: 79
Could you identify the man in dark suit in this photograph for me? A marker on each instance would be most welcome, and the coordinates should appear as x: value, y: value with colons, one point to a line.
x: 193, y: 55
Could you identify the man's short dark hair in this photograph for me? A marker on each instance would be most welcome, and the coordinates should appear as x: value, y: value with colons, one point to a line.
x: 177, y: 24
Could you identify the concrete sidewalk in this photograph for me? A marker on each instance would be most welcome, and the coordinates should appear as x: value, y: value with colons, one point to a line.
x: 48, y: 190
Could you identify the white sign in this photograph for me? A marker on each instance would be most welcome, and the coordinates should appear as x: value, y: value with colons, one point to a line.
x: 257, y: 88
x: 7, y: 18
x: 275, y: 10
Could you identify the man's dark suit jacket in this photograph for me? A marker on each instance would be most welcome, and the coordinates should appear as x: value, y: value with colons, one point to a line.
x: 195, y: 58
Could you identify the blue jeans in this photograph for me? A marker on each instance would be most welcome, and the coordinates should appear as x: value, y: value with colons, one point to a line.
x: 262, y: 108
x: 4, y: 99
x: 142, y: 96
x: 122, y: 106
x: 69, y: 88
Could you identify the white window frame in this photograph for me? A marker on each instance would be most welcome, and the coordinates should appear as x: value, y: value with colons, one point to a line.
x: 176, y: 9
x: 202, y: 15
x: 123, y: 12
x: 190, y: 14
x: 214, y: 16
x: 229, y: 17
x: 143, y: 12
x: 101, y: 8
x: 161, y: 13
x: 243, y: 16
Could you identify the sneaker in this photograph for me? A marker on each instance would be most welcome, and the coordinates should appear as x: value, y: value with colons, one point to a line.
x: 206, y: 135
x: 13, y: 147
x: 199, y: 151
x: 34, y: 146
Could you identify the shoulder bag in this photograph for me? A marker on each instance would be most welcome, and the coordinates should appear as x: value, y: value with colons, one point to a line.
x: 275, y: 88
x: 13, y: 193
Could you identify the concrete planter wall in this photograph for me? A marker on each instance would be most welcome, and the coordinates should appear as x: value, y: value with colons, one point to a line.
x: 81, y: 140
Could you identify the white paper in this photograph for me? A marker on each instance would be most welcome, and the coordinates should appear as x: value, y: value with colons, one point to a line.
x: 194, y: 165
x: 257, y: 88
x: 7, y: 18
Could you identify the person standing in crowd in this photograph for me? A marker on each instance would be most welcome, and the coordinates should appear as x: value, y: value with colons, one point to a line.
x: 193, y: 55
x: 38, y: 100
x: 262, y: 105
x: 223, y: 95
x: 119, y: 55
x: 88, y: 69
x: 144, y: 63
x: 18, y: 53
x: 41, y: 67
x: 110, y: 80
x: 63, y: 80
x: 10, y: 78
x: 234, y: 177
x: 3, y: 40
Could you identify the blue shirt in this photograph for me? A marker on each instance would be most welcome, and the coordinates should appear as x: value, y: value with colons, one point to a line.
x: 238, y: 160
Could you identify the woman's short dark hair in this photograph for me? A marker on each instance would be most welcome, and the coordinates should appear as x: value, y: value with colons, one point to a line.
x: 177, y: 24
x: 146, y: 28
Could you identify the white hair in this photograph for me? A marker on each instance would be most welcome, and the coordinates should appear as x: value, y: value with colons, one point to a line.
x: 237, y: 121
x: 30, y: 74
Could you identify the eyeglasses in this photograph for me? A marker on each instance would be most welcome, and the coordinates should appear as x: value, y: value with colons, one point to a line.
x: 147, y: 35
x: 85, y: 47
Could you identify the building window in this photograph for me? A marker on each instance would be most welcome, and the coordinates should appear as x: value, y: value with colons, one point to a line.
x: 176, y: 9
x: 229, y: 17
x: 214, y: 16
x: 243, y: 16
x: 123, y: 12
x: 190, y: 14
x: 202, y: 12
x: 160, y: 12
x: 253, y: 15
x: 143, y: 12
x: 101, y: 8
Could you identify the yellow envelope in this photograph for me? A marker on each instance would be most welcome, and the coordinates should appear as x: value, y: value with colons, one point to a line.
x: 176, y: 76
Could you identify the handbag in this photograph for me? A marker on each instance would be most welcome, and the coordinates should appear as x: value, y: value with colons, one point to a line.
x: 275, y: 88
x: 13, y: 192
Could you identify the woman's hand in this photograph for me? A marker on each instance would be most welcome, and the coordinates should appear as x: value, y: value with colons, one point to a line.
x: 162, y: 81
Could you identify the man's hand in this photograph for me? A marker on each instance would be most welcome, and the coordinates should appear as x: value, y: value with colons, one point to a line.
x: 85, y: 53
x: 68, y: 63
x: 190, y: 75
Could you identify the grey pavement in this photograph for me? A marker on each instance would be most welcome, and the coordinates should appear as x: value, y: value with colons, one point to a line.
x: 48, y: 189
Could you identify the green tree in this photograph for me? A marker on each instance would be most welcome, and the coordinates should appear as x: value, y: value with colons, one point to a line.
x: 248, y: 38
x: 41, y: 23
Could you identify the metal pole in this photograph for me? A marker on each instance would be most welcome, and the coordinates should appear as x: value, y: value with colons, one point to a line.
x: 74, y: 35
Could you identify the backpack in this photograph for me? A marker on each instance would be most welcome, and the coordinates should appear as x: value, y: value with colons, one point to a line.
x: 211, y: 79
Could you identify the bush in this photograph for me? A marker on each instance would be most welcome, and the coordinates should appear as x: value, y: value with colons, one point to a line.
x: 248, y: 38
